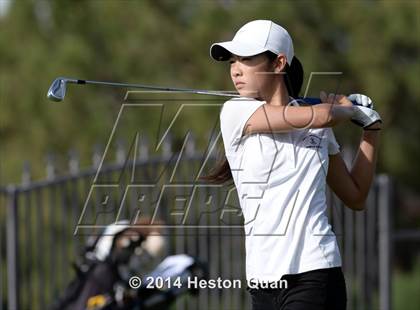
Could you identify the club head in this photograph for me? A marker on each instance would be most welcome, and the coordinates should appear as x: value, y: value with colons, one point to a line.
x: 57, y: 90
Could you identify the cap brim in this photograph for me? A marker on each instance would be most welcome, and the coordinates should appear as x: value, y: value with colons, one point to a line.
x: 223, y: 50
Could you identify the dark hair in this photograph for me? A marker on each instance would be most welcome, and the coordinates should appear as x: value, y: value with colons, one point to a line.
x: 293, y: 79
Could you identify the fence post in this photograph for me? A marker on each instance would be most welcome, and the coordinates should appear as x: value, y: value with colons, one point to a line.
x: 50, y: 166
x: 190, y: 150
x: 385, y: 245
x: 74, y: 162
x: 143, y: 147
x: 120, y: 152
x: 97, y: 155
x: 26, y: 173
x: 12, y: 249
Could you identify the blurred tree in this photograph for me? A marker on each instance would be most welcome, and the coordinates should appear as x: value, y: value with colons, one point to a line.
x: 375, y: 44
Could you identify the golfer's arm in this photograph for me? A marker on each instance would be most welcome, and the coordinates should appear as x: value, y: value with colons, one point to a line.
x: 269, y: 118
x: 352, y: 187
x: 364, y: 164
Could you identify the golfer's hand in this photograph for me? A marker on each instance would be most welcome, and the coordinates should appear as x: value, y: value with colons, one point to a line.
x: 361, y: 100
x: 366, y: 118
x: 374, y: 121
x: 335, y: 99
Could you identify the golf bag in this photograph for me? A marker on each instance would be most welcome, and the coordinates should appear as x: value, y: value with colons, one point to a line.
x: 105, y: 271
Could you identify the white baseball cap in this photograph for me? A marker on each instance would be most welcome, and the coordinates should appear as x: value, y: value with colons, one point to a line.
x: 253, y: 38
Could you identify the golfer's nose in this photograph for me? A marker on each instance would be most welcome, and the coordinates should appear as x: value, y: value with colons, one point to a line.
x: 236, y: 69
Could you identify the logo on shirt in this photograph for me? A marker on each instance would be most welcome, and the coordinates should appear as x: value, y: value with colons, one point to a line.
x: 312, y: 141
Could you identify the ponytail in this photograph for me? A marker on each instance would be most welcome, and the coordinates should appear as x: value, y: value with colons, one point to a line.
x: 293, y: 79
x: 220, y: 174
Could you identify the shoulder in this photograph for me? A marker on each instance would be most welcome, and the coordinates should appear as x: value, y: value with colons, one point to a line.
x: 243, y: 101
x: 238, y: 100
x: 240, y: 104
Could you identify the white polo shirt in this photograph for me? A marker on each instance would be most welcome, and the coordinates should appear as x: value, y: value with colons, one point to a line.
x: 281, y: 182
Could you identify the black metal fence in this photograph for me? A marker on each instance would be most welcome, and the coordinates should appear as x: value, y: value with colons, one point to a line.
x: 38, y: 221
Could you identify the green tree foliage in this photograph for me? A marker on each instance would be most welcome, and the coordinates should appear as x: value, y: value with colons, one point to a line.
x: 375, y: 44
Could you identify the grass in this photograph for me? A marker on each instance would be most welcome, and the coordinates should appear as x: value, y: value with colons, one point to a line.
x: 406, y: 288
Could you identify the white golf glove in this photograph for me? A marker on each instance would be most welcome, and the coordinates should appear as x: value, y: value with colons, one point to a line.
x: 364, y: 117
x: 361, y: 100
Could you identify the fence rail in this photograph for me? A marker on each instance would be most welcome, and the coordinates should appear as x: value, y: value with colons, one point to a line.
x: 39, y: 218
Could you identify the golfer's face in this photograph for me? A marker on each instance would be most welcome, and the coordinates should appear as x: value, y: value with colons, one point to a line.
x: 249, y: 74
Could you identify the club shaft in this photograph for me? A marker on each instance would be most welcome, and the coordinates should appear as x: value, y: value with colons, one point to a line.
x: 168, y: 89
x: 58, y: 89
x: 307, y: 100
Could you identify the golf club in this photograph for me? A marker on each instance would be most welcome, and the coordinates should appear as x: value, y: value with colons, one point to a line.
x: 57, y: 90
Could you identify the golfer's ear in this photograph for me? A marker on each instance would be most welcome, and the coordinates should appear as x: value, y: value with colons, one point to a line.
x: 279, y: 63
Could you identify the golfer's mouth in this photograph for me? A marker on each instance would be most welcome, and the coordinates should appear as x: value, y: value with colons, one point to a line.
x: 238, y: 84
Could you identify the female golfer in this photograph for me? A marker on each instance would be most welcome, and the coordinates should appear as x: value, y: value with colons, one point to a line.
x: 281, y: 154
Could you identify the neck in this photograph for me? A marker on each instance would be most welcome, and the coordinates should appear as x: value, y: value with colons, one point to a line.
x: 279, y: 97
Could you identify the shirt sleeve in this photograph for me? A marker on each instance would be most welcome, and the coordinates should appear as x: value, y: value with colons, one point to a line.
x: 233, y: 117
x: 333, y: 146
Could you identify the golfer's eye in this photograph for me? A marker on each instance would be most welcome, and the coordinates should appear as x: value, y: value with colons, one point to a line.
x: 246, y: 58
x: 231, y: 61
